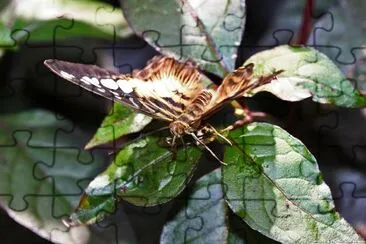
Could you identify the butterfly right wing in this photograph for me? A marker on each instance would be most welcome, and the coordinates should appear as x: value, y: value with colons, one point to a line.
x: 160, y: 90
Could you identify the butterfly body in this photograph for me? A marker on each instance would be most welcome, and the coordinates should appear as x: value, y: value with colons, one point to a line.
x: 188, y: 121
x: 165, y: 89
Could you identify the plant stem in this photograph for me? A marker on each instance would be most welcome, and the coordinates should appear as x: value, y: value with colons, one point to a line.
x: 306, y: 25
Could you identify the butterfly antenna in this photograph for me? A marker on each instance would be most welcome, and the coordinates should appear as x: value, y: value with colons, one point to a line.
x: 207, y: 148
x: 152, y: 132
x: 220, y: 135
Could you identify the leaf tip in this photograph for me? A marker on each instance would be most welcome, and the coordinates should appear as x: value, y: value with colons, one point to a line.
x: 89, y: 145
x: 92, y: 143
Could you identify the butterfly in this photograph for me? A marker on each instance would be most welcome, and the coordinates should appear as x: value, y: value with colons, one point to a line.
x: 167, y: 90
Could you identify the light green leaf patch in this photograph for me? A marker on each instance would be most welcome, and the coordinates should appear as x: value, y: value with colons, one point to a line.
x: 143, y: 173
x: 120, y: 121
x: 208, y: 32
x: 273, y: 183
x: 39, y: 178
x: 307, y: 73
x: 39, y: 20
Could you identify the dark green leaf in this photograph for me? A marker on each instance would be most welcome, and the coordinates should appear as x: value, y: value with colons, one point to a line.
x: 144, y: 173
x: 204, y: 218
x: 208, y: 32
x: 307, y: 73
x: 40, y: 173
x: 240, y: 232
x: 35, y: 20
x: 120, y: 121
x: 274, y: 184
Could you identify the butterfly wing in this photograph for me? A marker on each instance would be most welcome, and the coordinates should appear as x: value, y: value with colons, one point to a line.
x: 236, y: 84
x: 161, y: 90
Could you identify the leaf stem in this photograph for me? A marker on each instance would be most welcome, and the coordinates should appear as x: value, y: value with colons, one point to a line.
x: 210, y: 41
x: 305, y: 28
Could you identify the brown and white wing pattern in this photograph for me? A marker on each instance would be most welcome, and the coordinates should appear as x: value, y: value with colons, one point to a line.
x: 161, y: 90
x: 235, y: 85
x: 173, y: 83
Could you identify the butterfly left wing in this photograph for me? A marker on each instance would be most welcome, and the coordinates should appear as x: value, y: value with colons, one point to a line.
x: 236, y: 84
x: 241, y: 82
x: 160, y: 90
x: 103, y: 82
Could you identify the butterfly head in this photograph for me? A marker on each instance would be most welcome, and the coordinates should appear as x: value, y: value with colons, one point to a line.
x: 179, y: 128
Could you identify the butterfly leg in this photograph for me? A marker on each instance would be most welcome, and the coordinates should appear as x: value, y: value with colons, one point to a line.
x: 171, y: 143
x: 249, y: 118
x: 207, y: 148
x: 219, y: 134
x: 238, y: 123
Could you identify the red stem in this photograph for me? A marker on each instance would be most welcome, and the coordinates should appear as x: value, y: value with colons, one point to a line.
x: 302, y: 38
x: 305, y: 28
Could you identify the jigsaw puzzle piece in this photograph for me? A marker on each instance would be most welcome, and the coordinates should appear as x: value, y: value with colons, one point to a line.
x: 351, y: 196
x: 38, y: 131
x: 43, y: 172
x: 195, y: 34
x: 336, y: 132
x: 202, y: 214
x: 115, y: 229
x: 332, y: 32
x: 125, y: 55
x: 285, y: 25
x: 147, y: 222
x: 339, y: 148
x: 27, y: 199
x: 40, y: 171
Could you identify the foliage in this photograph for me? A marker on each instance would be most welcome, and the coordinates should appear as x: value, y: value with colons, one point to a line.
x: 271, y: 180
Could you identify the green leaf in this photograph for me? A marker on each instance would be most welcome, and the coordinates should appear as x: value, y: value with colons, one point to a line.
x: 204, y: 218
x: 208, y: 32
x: 273, y: 183
x: 307, y: 73
x: 120, y: 121
x: 38, y: 20
x: 240, y: 232
x: 143, y: 173
x: 40, y: 173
